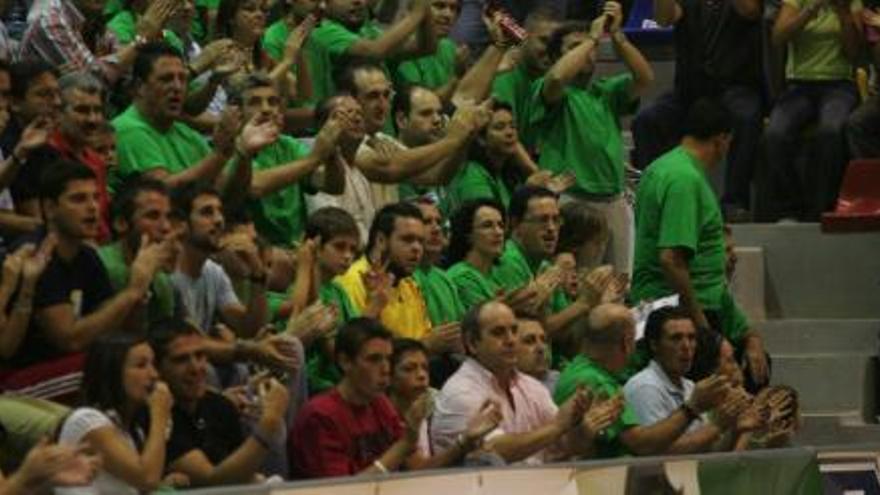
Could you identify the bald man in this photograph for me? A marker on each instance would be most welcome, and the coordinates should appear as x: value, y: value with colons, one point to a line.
x: 606, y: 344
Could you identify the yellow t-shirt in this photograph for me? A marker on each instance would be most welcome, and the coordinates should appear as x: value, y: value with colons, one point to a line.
x: 405, y: 315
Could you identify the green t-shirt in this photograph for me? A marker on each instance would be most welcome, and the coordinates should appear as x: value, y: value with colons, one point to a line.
x: 676, y: 208
x: 514, y: 88
x: 140, y: 147
x: 581, y: 133
x: 441, y: 295
x: 734, y: 323
x: 330, y: 42
x: 475, y: 181
x: 816, y: 52
x: 514, y: 270
x: 583, y: 371
x: 323, y: 374
x: 281, y: 216
x: 430, y: 71
x: 124, y: 26
x: 473, y: 286
x: 162, y: 299
x: 274, y: 40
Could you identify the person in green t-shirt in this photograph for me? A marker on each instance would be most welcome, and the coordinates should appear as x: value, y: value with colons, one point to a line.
x: 332, y: 243
x: 567, y: 101
x: 347, y: 33
x: 151, y: 139
x: 476, y: 243
x: 284, y: 170
x: 606, y: 344
x: 495, y: 167
x: 513, y: 85
x: 679, y: 245
x: 441, y: 296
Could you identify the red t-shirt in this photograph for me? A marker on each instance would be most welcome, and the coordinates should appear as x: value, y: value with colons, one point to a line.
x: 331, y: 437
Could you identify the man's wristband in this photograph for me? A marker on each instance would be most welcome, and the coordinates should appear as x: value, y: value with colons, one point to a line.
x: 381, y: 467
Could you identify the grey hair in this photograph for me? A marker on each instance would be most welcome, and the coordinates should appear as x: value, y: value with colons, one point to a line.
x: 83, y: 81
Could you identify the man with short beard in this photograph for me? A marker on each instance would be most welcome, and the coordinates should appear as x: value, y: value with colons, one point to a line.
x: 533, y: 353
x: 203, y: 284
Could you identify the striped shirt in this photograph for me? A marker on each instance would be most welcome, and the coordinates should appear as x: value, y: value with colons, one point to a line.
x: 56, y: 37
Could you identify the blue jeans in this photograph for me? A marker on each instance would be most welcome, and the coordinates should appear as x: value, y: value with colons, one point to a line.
x: 658, y: 127
x: 828, y: 105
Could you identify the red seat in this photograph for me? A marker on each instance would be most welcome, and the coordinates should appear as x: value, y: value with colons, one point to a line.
x: 858, y: 205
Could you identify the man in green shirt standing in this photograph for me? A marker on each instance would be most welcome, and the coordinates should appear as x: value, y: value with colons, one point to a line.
x: 513, y: 86
x: 576, y: 121
x: 680, y: 232
x: 347, y: 32
x: 151, y: 139
x: 606, y: 344
x: 285, y: 170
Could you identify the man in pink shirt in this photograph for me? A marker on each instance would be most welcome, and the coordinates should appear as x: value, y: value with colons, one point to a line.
x: 533, y: 429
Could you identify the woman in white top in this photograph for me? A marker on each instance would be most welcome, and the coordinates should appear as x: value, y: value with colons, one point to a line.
x: 120, y: 388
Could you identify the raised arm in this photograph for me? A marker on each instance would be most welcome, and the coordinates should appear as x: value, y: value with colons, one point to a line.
x: 393, y: 40
x: 643, y: 75
x: 569, y: 65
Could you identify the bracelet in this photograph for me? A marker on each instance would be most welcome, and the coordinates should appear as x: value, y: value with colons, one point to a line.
x: 381, y: 467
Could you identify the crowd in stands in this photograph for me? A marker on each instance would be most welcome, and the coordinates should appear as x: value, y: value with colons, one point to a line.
x: 257, y: 240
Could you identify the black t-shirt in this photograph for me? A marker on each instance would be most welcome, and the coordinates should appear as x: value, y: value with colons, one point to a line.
x: 26, y: 184
x: 715, y: 47
x: 214, y: 429
x: 81, y: 282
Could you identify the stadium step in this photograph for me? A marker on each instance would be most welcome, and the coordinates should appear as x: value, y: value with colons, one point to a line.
x: 802, y: 336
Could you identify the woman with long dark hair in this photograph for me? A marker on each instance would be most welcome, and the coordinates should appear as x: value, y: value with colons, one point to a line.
x: 125, y: 416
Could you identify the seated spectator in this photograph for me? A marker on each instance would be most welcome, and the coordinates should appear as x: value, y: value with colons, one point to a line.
x: 207, y: 443
x: 49, y: 466
x: 204, y: 286
x: 74, y: 302
x: 347, y: 32
x: 21, y: 272
x: 103, y: 142
x: 864, y: 122
x: 35, y: 108
x: 286, y: 169
x: 124, y: 24
x: 394, y: 251
x: 824, y: 41
x: 152, y: 140
x: 566, y: 101
x: 427, y: 159
x: 728, y: 69
x: 439, y: 71
x: 353, y: 428
x: 514, y: 86
x: 120, y: 390
x: 409, y: 382
x: 534, y: 353
x: 496, y: 166
x: 71, y: 35
x: 606, y: 345
x: 680, y: 238
x: 332, y: 242
x: 659, y: 390
x: 441, y: 295
x: 532, y: 428
x: 475, y: 246
x: 142, y: 221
